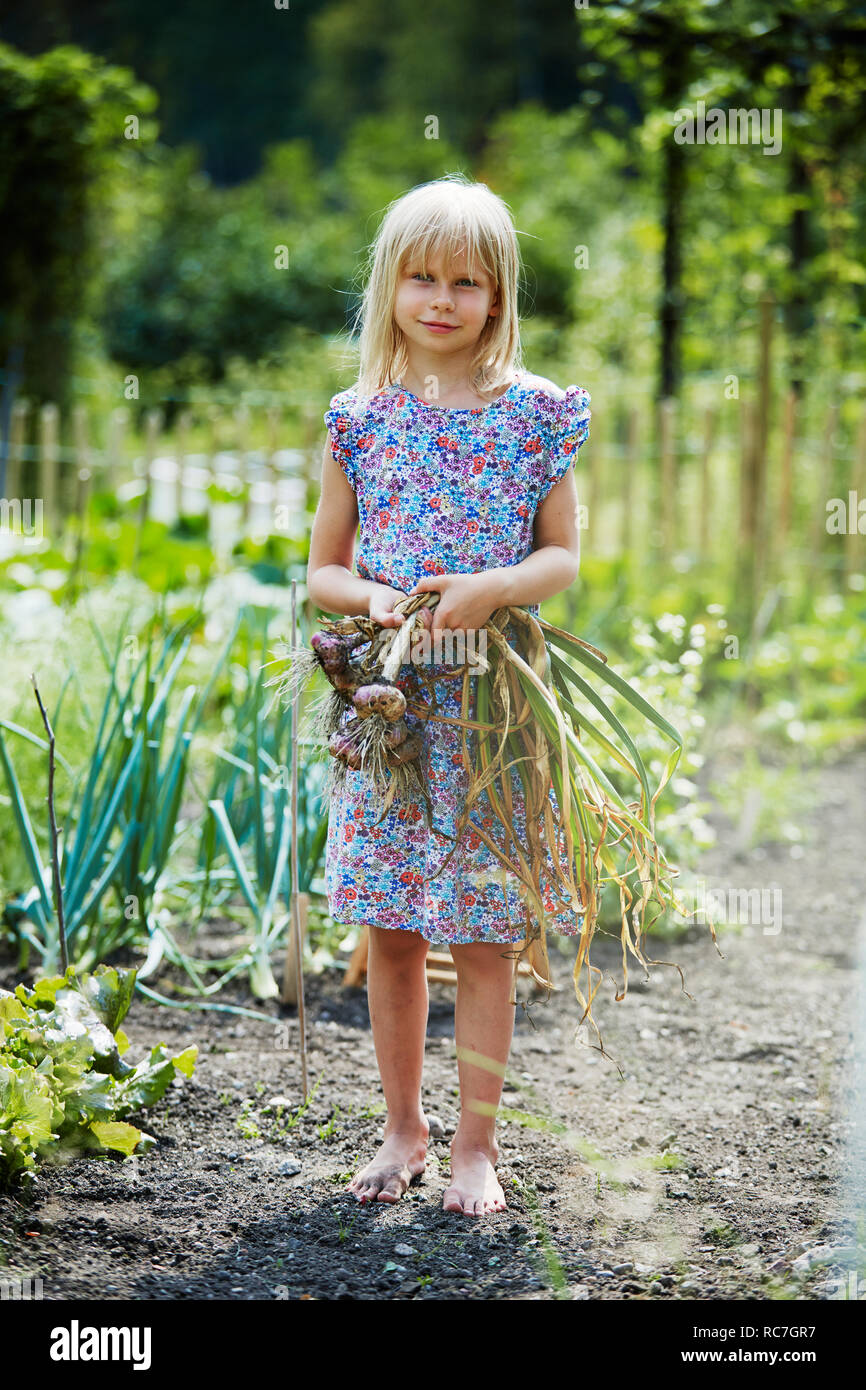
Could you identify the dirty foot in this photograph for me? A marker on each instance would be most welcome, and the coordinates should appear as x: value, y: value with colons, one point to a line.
x: 475, y: 1189
x: 399, y: 1159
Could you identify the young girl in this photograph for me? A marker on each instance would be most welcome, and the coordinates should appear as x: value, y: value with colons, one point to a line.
x: 457, y: 464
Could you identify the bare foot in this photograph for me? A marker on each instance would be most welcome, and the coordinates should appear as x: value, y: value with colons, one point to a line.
x: 475, y: 1189
x: 399, y: 1159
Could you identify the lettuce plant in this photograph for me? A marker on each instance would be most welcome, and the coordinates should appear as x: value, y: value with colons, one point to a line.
x: 64, y: 1084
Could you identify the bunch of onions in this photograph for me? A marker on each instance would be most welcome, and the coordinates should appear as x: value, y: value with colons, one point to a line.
x: 365, y: 719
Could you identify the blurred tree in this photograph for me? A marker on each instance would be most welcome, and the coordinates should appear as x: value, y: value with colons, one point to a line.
x: 61, y: 129
x: 213, y: 275
x: 809, y: 59
x: 234, y: 79
x: 755, y: 55
x: 231, y: 78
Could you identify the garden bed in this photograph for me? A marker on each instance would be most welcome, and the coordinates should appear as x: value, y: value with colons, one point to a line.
x: 706, y: 1172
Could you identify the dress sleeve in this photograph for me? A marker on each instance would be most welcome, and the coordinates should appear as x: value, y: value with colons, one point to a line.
x: 568, y: 427
x: 340, y: 423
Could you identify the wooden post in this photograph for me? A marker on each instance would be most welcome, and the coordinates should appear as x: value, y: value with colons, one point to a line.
x: 667, y: 476
x: 295, y: 928
x: 17, y: 436
x: 82, y: 459
x: 242, y: 420
x: 786, y: 480
x: 745, y: 549
x: 114, y: 448
x: 80, y: 484
x: 310, y: 435
x: 184, y: 422
x: 823, y: 485
x: 357, y: 967
x: 152, y: 427
x: 705, y: 486
x: 215, y: 421
x: 291, y: 981
x: 627, y: 489
x: 274, y: 424
x: 758, y: 468
x: 49, y: 459
x: 853, y: 538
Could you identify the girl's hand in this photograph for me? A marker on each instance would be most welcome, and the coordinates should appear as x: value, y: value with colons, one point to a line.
x: 381, y: 605
x: 467, y: 600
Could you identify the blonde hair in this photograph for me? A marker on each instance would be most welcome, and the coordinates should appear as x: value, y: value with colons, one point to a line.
x: 450, y: 215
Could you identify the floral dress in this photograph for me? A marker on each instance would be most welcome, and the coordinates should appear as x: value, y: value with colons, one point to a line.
x: 443, y: 491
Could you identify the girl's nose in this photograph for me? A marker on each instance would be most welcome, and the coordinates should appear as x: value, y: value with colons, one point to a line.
x: 442, y: 297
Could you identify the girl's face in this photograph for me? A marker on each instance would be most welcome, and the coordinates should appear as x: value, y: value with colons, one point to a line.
x: 446, y: 295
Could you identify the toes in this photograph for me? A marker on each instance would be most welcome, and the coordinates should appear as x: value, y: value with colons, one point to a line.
x: 392, y: 1190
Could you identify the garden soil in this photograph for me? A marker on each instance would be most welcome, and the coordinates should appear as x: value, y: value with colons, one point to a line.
x: 708, y: 1167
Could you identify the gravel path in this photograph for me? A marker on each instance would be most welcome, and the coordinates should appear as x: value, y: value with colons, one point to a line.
x: 710, y: 1168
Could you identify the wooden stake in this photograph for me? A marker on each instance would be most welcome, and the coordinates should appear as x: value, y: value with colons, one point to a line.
x: 823, y: 488
x: 667, y: 479
x: 184, y: 421
x: 274, y: 418
x: 242, y: 420
x: 786, y: 479
x: 295, y: 930
x: 17, y: 436
x: 627, y: 490
x: 853, y: 538
x: 49, y: 459
x: 115, y: 468
x: 52, y: 824
x: 745, y: 551
x: 759, y: 451
x: 357, y: 967
x: 705, y: 502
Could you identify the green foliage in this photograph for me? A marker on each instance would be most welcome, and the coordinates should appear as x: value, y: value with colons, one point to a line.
x: 204, y: 280
x: 119, y: 831
x: 64, y: 1085
x: 61, y: 117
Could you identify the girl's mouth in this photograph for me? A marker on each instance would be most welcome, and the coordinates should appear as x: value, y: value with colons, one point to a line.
x: 440, y: 327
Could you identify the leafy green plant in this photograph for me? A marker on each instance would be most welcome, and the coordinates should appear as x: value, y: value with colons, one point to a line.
x: 246, y: 1123
x: 325, y: 1131
x: 345, y: 1230
x: 63, y: 1081
x: 120, y: 829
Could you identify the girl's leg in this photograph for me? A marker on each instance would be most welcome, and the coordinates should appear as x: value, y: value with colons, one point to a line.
x: 398, y: 1001
x: 483, y: 1026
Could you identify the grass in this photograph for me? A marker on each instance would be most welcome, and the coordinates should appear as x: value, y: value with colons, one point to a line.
x: 722, y: 1234
x: 556, y: 1275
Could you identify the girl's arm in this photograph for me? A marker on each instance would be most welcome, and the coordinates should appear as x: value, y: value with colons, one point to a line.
x: 330, y: 581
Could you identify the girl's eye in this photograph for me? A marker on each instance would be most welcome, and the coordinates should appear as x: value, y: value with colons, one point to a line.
x: 419, y: 275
